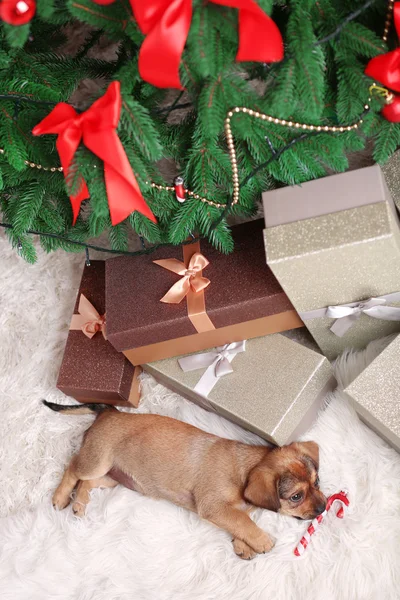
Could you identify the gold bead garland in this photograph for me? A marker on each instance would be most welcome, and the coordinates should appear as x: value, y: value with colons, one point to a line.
x: 270, y: 119
x: 388, y: 21
x: 375, y: 88
x: 33, y: 165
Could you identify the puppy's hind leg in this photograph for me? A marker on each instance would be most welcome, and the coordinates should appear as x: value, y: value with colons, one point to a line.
x: 91, y: 463
x: 83, y: 492
x: 62, y: 494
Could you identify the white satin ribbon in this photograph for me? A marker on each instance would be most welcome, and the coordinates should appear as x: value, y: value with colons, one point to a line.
x: 347, y: 314
x: 217, y: 364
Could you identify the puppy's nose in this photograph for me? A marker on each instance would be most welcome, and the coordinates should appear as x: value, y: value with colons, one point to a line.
x: 320, y: 509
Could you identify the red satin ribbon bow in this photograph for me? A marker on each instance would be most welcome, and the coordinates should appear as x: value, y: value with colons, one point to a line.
x: 166, y: 24
x: 385, y: 68
x: 191, y: 278
x: 88, y: 319
x: 96, y: 127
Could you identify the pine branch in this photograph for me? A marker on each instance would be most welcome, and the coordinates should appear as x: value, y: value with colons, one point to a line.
x: 387, y: 141
x: 118, y: 237
x: 29, y: 203
x: 139, y: 126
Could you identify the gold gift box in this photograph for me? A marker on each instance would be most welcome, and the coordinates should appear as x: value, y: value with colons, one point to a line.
x: 375, y: 394
x: 275, y: 390
x: 331, y: 242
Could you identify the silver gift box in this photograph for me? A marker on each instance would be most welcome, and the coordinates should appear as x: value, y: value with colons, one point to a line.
x: 275, y: 390
x: 336, y: 241
x: 375, y: 394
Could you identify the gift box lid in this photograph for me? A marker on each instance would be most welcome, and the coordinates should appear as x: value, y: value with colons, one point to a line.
x: 376, y: 392
x: 327, y: 195
x: 373, y: 223
x: 242, y: 288
x: 92, y: 368
x: 274, y: 383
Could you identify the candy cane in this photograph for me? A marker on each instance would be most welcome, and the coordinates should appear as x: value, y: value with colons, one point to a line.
x: 179, y: 189
x: 305, y: 540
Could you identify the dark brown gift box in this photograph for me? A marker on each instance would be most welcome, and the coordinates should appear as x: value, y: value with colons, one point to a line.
x: 91, y: 369
x: 243, y: 300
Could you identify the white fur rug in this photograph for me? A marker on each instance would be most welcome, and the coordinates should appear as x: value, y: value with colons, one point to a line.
x: 133, y: 548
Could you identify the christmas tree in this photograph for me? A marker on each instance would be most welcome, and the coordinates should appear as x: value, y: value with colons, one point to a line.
x: 241, y: 95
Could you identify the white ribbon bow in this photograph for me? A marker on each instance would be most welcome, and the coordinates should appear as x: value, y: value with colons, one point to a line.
x: 217, y: 363
x: 347, y: 314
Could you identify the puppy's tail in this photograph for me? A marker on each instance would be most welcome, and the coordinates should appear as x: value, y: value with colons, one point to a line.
x: 78, y: 409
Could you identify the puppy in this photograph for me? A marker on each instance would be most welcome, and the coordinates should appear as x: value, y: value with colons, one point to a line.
x: 219, y: 479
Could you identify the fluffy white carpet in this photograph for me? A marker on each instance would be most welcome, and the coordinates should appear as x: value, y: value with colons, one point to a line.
x: 133, y: 548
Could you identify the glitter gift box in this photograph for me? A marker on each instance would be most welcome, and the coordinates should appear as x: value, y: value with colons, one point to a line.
x: 334, y: 246
x: 275, y: 388
x: 92, y: 370
x: 375, y: 394
x: 391, y: 172
x: 243, y: 299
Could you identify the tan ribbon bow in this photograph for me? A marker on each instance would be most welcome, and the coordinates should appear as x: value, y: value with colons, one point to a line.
x: 88, y: 319
x: 191, y: 278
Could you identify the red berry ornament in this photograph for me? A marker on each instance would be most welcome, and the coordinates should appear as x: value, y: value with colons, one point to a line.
x: 391, y: 110
x: 17, y: 12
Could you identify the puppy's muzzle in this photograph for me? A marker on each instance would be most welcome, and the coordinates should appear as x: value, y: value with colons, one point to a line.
x: 320, y: 509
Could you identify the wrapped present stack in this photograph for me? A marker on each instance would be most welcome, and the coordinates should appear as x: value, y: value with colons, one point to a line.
x: 221, y: 329
x: 183, y: 300
x: 334, y: 246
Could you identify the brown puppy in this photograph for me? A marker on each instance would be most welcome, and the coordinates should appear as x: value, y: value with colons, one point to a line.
x: 219, y: 479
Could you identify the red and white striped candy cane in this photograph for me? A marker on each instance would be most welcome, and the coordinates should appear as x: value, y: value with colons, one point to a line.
x: 179, y: 189
x: 305, y: 540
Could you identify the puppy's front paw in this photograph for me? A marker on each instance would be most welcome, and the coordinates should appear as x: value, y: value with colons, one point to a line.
x: 243, y: 550
x: 60, y: 500
x: 262, y: 543
x: 78, y: 508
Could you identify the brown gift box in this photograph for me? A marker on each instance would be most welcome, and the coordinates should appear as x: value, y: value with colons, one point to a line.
x: 91, y: 369
x: 243, y: 300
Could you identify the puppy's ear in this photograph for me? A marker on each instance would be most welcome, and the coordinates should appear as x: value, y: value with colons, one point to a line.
x: 262, y: 489
x: 310, y: 449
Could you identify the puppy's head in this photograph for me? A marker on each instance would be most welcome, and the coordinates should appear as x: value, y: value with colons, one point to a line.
x: 286, y: 481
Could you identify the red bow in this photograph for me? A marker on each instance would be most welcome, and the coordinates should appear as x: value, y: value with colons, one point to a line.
x: 385, y: 68
x: 166, y: 24
x: 97, y: 128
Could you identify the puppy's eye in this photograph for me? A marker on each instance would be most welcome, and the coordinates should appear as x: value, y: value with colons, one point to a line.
x: 316, y: 483
x: 296, y: 497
